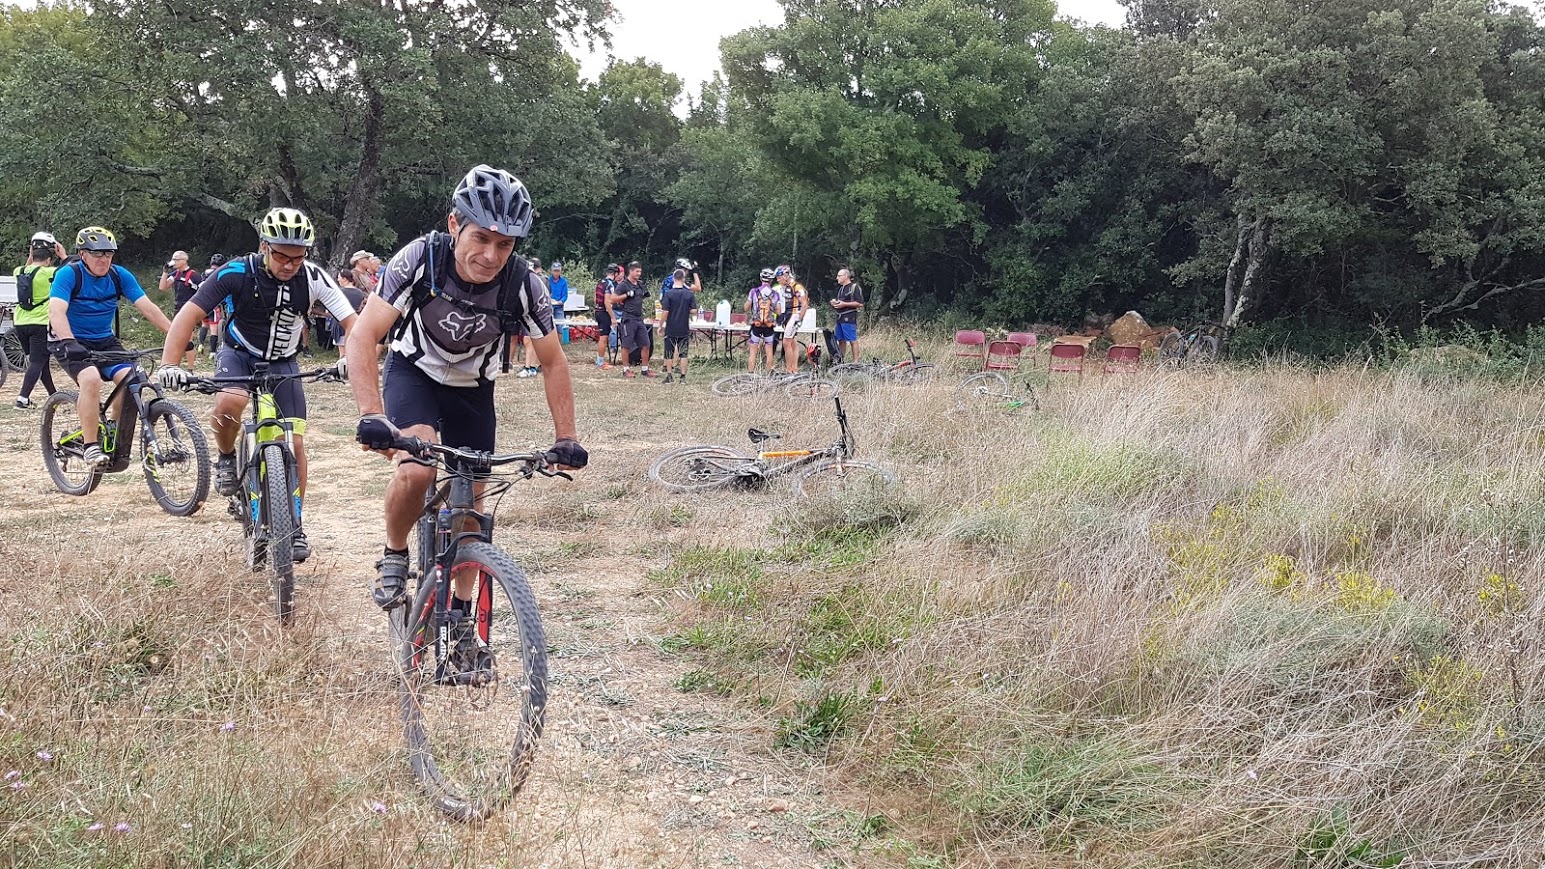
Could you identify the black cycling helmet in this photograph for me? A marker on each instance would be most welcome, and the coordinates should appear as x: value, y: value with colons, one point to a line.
x: 494, y: 200
x: 216, y: 259
x: 767, y: 274
x: 95, y: 238
x: 613, y: 268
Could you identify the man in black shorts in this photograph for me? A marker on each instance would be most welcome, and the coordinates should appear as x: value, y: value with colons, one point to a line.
x: 603, y: 314
x: 628, y: 302
x: 264, y: 298
x: 679, y: 302
x: 449, y: 301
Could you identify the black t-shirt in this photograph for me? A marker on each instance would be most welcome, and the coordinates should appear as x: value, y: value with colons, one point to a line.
x: 851, y: 293
x: 633, y: 306
x: 184, y: 284
x: 680, y: 302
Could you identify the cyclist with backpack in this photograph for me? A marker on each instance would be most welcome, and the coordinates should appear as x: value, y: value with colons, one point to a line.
x: 448, y: 302
x: 33, y: 282
x: 796, y: 302
x: 264, y: 299
x: 764, y: 304
x: 83, y: 317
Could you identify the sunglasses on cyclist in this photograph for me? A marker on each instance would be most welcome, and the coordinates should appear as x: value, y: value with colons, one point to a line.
x: 280, y: 259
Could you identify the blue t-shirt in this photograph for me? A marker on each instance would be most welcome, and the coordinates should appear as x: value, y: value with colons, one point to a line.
x: 558, y: 290
x: 93, y: 306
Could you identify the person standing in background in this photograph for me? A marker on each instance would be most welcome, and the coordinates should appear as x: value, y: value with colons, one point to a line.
x: 183, y: 281
x: 33, y: 282
x: 366, y: 267
x: 849, y: 301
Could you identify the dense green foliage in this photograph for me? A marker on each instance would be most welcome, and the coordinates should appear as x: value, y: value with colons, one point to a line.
x: 1342, y: 163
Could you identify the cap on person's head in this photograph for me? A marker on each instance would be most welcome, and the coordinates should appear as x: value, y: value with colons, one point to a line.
x: 43, y: 239
x: 635, y: 265
x: 359, y: 255
x: 555, y: 267
x: 613, y: 268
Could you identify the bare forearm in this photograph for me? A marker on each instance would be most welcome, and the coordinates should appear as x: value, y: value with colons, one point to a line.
x: 364, y: 376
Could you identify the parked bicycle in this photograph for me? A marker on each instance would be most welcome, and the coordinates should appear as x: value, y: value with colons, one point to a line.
x: 173, y: 452
x: 815, y: 471
x: 912, y: 370
x: 989, y: 390
x: 801, y: 385
x: 268, y: 502
x: 459, y: 707
x: 1201, y: 344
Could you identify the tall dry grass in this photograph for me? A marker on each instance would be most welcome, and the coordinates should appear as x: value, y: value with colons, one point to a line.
x: 1231, y: 618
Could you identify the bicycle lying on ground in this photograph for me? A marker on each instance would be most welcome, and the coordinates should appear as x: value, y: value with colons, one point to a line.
x: 801, y: 385
x: 173, y: 452
x: 989, y: 390
x: 459, y: 703
x: 818, y: 471
x: 912, y: 370
x: 268, y: 502
x: 1201, y: 344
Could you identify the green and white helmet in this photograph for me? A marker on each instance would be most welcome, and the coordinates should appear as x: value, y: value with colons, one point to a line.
x: 287, y: 226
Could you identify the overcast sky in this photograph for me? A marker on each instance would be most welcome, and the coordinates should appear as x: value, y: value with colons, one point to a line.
x: 660, y: 30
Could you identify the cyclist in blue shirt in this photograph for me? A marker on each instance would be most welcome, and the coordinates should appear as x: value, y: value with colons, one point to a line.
x: 557, y: 290
x: 82, y: 308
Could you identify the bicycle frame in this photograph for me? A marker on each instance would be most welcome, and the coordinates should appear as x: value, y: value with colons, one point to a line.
x: 118, y: 440
x: 263, y: 428
x: 842, y: 448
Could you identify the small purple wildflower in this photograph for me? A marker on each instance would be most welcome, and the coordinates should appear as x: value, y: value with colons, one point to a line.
x: 45, y: 756
x: 378, y: 807
x: 13, y: 775
x: 18, y: 785
x: 96, y: 827
x: 227, y: 727
x: 122, y: 827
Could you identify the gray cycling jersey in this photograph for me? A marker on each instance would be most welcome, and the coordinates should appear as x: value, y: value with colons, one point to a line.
x: 450, y: 342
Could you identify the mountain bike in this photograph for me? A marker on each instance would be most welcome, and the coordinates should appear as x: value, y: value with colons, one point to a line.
x: 454, y: 711
x: 13, y: 357
x: 1201, y: 344
x: 268, y: 501
x: 912, y: 370
x: 173, y: 452
x: 815, y: 471
x: 988, y: 390
x: 800, y: 385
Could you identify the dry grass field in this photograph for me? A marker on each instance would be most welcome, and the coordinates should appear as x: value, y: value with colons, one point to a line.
x: 1237, y: 618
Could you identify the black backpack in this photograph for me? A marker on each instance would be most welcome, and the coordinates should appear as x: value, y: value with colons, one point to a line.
x: 515, y: 275
x: 24, y: 288
x: 80, y: 281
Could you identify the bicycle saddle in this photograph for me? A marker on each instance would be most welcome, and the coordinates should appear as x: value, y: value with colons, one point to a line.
x: 758, y: 436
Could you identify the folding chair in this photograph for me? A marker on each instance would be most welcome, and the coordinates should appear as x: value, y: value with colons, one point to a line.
x: 1067, y: 358
x: 1122, y: 359
x: 1003, y: 355
x: 974, y: 343
x: 738, y: 319
x: 1023, y: 339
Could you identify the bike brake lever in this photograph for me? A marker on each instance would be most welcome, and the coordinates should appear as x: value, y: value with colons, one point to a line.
x: 546, y: 473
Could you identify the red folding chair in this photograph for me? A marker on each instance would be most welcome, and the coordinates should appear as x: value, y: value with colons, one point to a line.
x: 738, y: 319
x: 1003, y: 355
x: 971, y: 344
x: 1023, y: 339
x: 1122, y: 359
x: 1067, y: 358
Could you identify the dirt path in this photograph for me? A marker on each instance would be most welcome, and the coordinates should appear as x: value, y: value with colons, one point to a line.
x: 631, y: 771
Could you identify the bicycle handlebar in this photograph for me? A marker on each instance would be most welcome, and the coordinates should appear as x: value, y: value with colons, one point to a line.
x: 216, y: 384
x: 422, y: 451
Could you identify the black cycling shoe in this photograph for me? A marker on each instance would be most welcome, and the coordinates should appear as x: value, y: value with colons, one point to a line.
x: 391, y: 589
x: 470, y: 661
x: 300, y: 547
x: 226, y: 482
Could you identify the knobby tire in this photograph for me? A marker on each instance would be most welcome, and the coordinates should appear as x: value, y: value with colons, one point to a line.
x: 278, y: 493
x: 64, y: 462
x: 180, y: 446
x: 698, y: 468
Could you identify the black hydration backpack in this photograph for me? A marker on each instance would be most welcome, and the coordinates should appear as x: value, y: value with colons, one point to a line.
x: 426, y: 286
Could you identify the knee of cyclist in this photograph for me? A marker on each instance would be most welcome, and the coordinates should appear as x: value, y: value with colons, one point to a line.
x: 417, y: 477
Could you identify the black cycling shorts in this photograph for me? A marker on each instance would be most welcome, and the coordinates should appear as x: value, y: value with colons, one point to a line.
x: 462, y: 416
x: 291, y: 399
x: 634, y: 335
x: 99, y: 345
x: 603, y: 322
x: 677, y: 346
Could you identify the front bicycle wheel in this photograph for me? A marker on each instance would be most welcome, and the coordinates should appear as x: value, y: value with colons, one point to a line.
x: 922, y: 372
x: 1206, y: 350
x: 695, y: 468
x: 471, y: 741
x: 812, y: 387
x: 851, y: 371
x: 176, y: 458
x: 64, y: 448
x: 846, y: 478
x: 15, y: 355
x: 982, y: 389
x: 737, y: 384
x: 1172, y: 350
x: 279, y: 508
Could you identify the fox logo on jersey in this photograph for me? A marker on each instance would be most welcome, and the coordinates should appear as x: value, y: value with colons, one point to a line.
x: 459, y: 325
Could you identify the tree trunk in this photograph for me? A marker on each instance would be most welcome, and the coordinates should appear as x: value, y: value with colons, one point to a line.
x: 719, y: 271
x: 365, y: 190
x: 1245, y: 284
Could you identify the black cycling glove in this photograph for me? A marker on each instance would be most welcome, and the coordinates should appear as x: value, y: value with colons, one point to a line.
x: 567, y: 451
x: 376, y: 431
x: 75, y: 351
